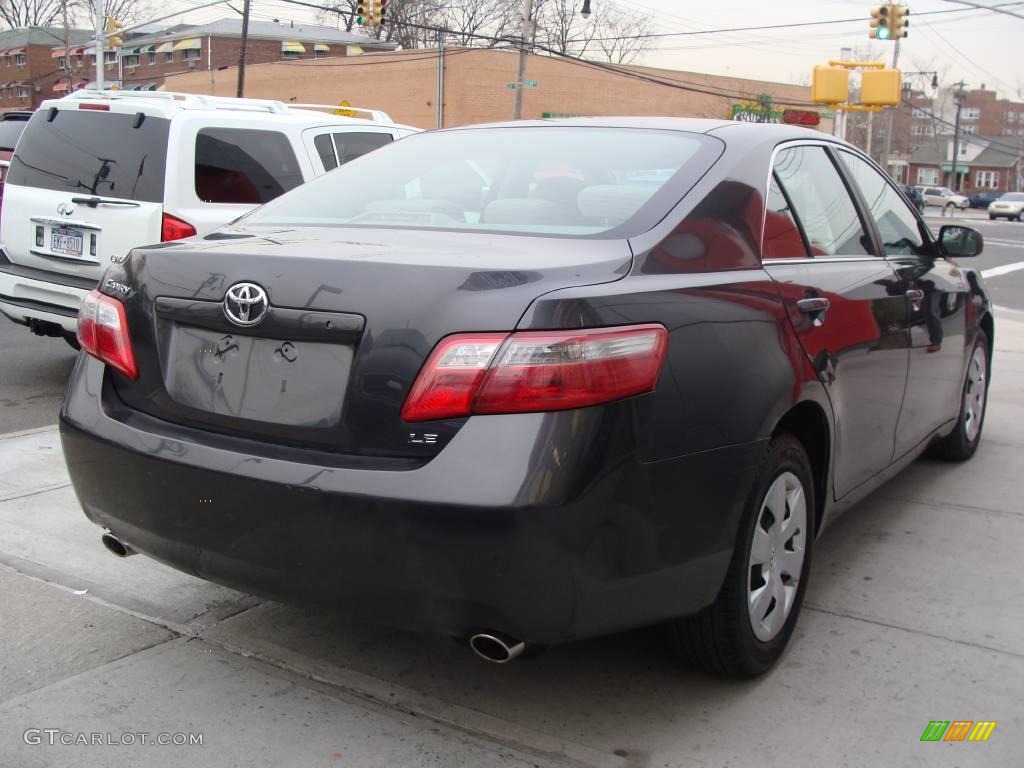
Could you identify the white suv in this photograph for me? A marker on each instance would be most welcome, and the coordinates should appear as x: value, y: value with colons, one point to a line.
x: 97, y: 174
x: 944, y: 197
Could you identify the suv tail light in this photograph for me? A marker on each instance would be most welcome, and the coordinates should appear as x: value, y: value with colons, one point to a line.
x: 103, y: 333
x: 173, y: 228
x: 530, y: 371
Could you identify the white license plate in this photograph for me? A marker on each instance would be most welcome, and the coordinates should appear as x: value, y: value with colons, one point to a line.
x: 67, y: 242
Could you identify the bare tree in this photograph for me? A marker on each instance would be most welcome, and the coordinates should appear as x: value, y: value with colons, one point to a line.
x: 30, y: 13
x: 340, y: 14
x: 125, y: 11
x: 484, y: 23
x: 561, y: 29
x: 620, y: 36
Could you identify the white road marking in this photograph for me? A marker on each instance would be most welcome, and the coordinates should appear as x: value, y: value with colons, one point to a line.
x: 1005, y: 269
x: 1004, y: 243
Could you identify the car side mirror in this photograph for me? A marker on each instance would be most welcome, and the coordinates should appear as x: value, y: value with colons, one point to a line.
x: 960, y: 242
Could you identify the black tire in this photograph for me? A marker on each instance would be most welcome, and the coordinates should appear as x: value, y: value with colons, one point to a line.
x: 959, y: 445
x: 950, y: 207
x: 991, y: 217
x: 721, y: 637
x: 72, y: 341
x: 1020, y: 216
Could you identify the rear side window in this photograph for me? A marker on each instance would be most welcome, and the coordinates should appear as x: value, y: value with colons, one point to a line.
x: 236, y: 165
x: 93, y: 153
x: 782, y: 238
x: 337, y: 149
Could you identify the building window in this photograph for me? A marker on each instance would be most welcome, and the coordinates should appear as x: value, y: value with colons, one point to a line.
x: 22, y: 92
x: 987, y: 180
x: 319, y: 54
x: 919, y: 112
x: 927, y: 176
x: 131, y: 60
x: 971, y: 129
x: 922, y: 129
x: 169, y: 57
x: 78, y: 61
x: 290, y: 54
x: 152, y: 57
x: 62, y: 63
x: 1011, y: 117
x: 970, y: 113
x: 21, y: 59
x: 192, y: 54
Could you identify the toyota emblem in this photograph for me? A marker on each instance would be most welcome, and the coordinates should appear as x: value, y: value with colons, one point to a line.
x: 245, y: 304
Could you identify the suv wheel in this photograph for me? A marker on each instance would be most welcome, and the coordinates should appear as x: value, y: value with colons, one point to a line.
x: 963, y: 441
x: 744, y: 632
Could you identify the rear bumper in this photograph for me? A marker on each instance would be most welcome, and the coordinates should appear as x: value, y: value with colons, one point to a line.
x: 34, y: 294
x: 543, y: 526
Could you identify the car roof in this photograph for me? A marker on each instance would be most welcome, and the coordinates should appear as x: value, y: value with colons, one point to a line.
x: 168, y: 104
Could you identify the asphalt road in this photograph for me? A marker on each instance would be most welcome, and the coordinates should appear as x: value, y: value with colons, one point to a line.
x: 1004, y: 248
x: 33, y: 371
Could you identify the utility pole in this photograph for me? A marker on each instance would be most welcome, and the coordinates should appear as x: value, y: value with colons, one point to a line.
x: 241, y: 49
x: 67, y: 37
x: 439, y: 110
x: 958, y: 97
x: 101, y: 38
x: 892, y: 113
x: 871, y: 128
x: 526, y: 31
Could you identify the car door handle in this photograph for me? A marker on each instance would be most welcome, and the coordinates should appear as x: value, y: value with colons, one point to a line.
x: 916, y: 296
x: 816, y: 307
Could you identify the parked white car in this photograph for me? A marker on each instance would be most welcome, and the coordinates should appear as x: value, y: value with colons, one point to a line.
x: 944, y: 197
x: 97, y: 174
x: 1009, y: 206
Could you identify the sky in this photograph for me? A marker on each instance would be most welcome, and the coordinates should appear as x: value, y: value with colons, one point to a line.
x: 976, y: 46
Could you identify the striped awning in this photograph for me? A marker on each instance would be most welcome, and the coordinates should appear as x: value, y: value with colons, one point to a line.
x: 60, y: 87
x: 148, y: 48
x: 77, y: 51
x: 354, y: 50
x: 192, y: 44
x: 56, y: 53
x: 292, y: 46
x: 165, y: 48
x: 321, y: 47
x: 14, y: 51
x: 89, y: 51
x: 130, y: 51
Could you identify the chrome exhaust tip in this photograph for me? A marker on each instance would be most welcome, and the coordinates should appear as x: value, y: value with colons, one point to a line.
x: 496, y: 648
x: 115, y: 546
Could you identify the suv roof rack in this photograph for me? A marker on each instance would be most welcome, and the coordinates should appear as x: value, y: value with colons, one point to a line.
x: 202, y: 101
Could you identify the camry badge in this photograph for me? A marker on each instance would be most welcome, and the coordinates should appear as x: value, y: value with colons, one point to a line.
x: 245, y: 304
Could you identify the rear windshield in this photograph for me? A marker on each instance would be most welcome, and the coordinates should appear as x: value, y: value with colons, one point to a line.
x: 10, y: 130
x: 92, y: 152
x: 557, y: 180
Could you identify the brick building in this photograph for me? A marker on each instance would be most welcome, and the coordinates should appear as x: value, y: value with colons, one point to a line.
x: 146, y: 60
x: 406, y: 84
x: 28, y: 70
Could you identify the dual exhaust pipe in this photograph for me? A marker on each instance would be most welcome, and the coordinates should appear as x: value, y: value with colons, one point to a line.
x: 493, y: 647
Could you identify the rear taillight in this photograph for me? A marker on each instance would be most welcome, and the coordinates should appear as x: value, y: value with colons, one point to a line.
x: 103, y: 333
x: 530, y: 371
x: 174, y: 228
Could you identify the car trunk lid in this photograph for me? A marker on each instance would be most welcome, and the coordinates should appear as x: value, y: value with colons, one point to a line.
x: 353, y: 314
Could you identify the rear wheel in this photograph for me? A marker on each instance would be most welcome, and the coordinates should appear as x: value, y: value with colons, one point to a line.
x: 746, y: 629
x: 950, y: 207
x: 991, y: 217
x: 962, y: 442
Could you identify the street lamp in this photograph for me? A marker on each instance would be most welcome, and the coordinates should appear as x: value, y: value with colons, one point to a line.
x: 585, y: 13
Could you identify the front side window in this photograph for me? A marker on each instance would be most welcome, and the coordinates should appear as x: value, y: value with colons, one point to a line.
x: 244, y: 166
x: 821, y: 203
x: 561, y: 180
x: 897, y: 223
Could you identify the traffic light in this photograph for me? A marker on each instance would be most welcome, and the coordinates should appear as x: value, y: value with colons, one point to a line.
x: 830, y: 85
x: 383, y: 4
x: 898, y: 21
x: 361, y: 8
x: 376, y: 13
x: 879, y: 25
x: 880, y: 87
x: 113, y: 40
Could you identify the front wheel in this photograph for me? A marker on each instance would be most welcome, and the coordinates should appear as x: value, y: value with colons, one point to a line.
x: 963, y: 441
x: 744, y: 632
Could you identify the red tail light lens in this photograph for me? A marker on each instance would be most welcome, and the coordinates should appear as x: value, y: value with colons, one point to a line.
x: 103, y: 333
x: 535, y: 371
x: 174, y: 228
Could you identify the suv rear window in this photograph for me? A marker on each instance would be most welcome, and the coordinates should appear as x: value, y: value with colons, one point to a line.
x: 99, y: 153
x: 235, y: 165
x: 341, y: 147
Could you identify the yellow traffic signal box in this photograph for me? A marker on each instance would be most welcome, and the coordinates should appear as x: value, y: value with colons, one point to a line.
x: 880, y: 87
x: 831, y: 85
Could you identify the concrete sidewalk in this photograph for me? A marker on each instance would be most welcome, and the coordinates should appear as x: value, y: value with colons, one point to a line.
x: 914, y: 614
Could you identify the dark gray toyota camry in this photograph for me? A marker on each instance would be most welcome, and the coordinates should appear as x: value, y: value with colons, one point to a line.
x: 523, y: 384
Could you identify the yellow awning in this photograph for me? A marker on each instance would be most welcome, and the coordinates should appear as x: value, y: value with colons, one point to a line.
x: 292, y: 46
x: 193, y: 44
x: 321, y: 47
x: 165, y: 48
x: 354, y: 50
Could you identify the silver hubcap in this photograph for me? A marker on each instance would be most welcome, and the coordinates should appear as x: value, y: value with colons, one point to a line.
x: 974, y: 394
x: 776, y: 556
